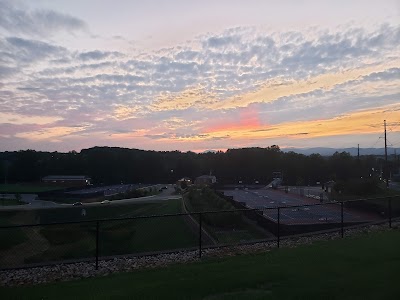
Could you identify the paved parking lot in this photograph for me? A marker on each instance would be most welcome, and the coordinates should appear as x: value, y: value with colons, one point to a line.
x: 267, y: 199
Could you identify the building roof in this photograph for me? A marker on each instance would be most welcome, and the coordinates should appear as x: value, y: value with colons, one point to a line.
x: 66, y: 177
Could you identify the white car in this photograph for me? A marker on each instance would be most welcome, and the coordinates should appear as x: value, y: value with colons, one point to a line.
x: 105, y: 202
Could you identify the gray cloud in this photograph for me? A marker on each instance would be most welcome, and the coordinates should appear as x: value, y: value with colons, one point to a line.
x: 7, y: 72
x: 390, y: 74
x: 17, y: 54
x: 98, y: 55
x: 52, y: 71
x: 28, y: 51
x: 221, y: 41
x: 324, y: 104
x: 83, y: 86
x: 15, y: 19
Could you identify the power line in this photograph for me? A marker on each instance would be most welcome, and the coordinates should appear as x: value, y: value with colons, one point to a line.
x: 394, y: 126
x: 379, y: 138
x: 390, y: 144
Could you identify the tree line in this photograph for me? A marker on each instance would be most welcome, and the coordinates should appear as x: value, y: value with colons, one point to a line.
x: 110, y: 165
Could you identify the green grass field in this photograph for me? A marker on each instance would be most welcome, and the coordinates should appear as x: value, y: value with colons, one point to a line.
x: 27, y: 188
x: 74, y: 241
x: 7, y: 202
x: 227, y: 227
x: 10, y: 237
x: 365, y: 267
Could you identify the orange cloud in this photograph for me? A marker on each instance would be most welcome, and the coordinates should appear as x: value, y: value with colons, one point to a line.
x: 52, y: 134
x: 123, y: 112
x: 362, y: 122
x: 195, y: 96
x: 23, y: 119
x: 269, y: 91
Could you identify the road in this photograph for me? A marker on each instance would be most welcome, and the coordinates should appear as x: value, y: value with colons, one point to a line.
x: 165, y: 195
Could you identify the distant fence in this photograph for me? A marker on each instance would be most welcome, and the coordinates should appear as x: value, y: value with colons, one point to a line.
x: 29, y: 245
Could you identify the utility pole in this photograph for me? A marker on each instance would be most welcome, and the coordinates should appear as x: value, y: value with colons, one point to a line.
x: 358, y: 151
x: 386, y: 161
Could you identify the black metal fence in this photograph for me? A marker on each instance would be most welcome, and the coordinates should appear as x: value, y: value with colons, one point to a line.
x: 52, y: 242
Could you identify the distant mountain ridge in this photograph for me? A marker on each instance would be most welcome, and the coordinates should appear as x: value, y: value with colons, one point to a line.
x: 353, y: 151
x: 326, y: 151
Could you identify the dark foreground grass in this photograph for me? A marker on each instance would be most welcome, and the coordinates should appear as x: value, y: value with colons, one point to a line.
x: 7, y: 202
x: 12, y: 236
x: 366, y: 267
x: 227, y: 227
x: 77, y: 241
x: 27, y: 188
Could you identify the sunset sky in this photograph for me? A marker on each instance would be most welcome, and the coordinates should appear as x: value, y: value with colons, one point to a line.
x: 198, y: 75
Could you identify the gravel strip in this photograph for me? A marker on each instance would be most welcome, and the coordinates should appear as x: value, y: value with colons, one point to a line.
x: 65, y: 272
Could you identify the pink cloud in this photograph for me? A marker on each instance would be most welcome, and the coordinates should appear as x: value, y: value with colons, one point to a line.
x: 12, y: 129
x: 247, y: 118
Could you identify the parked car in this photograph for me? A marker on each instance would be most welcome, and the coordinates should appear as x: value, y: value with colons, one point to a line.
x: 77, y: 204
x: 105, y: 202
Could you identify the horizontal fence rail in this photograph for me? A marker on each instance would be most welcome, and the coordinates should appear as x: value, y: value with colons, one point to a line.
x: 45, y: 243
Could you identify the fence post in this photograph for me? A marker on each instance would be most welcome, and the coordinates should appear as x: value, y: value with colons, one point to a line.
x: 200, y: 235
x: 97, y: 244
x: 341, y: 218
x: 390, y: 211
x: 279, y: 227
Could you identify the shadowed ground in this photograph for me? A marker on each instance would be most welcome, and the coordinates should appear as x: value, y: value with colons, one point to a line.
x: 365, y: 267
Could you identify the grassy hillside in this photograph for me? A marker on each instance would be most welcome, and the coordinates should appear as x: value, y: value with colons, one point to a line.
x: 27, y: 188
x: 354, y: 268
x: 41, y: 244
x: 226, y: 227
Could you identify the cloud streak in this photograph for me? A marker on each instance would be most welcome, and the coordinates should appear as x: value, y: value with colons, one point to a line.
x: 16, y: 19
x: 366, y: 121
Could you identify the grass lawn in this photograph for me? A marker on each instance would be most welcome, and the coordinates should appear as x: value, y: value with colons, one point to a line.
x: 378, y: 206
x: 7, y: 202
x: 67, y: 241
x: 383, y: 192
x: 104, y: 211
x: 227, y: 227
x: 13, y: 236
x: 353, y: 268
x: 235, y: 236
x: 27, y: 188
